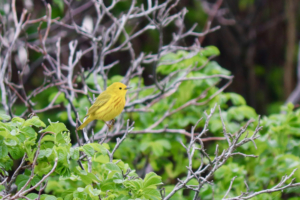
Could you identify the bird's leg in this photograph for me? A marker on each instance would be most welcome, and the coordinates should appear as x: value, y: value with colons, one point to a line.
x: 108, y: 125
x: 113, y: 121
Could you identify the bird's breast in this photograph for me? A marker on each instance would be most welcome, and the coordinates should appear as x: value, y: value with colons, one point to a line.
x: 116, y: 105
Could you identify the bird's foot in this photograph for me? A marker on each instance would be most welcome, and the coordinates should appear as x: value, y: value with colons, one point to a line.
x: 110, y: 123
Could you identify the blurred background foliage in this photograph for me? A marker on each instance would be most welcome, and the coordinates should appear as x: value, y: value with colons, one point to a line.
x: 253, y: 41
x: 253, y: 44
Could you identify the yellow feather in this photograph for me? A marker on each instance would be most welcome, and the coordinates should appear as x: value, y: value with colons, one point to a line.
x: 108, y: 105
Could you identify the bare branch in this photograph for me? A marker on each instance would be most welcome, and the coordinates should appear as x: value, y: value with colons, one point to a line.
x: 119, y: 141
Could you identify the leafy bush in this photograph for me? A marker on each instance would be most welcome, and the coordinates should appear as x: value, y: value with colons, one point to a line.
x: 52, y: 156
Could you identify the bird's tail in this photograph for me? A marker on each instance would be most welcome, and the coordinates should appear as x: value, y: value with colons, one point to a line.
x: 85, y: 123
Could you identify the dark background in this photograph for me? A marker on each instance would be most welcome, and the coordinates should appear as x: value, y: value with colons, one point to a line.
x: 258, y: 41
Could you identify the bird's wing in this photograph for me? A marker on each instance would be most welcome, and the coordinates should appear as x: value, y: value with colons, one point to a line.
x: 101, y: 100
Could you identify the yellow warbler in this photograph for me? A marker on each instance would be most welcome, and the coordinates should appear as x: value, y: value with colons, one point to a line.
x: 108, y: 104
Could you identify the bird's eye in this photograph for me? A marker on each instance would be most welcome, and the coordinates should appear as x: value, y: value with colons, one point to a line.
x: 120, y: 88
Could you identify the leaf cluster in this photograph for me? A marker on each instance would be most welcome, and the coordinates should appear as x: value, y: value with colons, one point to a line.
x: 108, y: 180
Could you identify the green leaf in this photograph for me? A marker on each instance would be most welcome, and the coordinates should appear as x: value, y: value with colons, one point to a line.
x: 50, y: 197
x: 61, y: 154
x: 213, y: 68
x: 112, y: 167
x: 102, y: 159
x: 4, y: 133
x: 32, y: 196
x: 241, y: 112
x: 165, y: 143
x: 4, y: 117
x: 10, y: 142
x: 106, y: 146
x: 55, y: 128
x: 249, y: 112
x: 35, y: 121
x: 3, y: 149
x: 93, y: 192
x: 45, y: 153
x: 237, y: 99
x: 99, y: 148
x: 122, y: 197
x: 34, y: 181
x: 43, y: 168
x: 50, y: 138
x: 151, y: 179
x: 144, y: 145
x: 118, y: 178
x: 59, y: 139
x: 107, y: 185
x: 133, y: 184
x: 69, y: 197
x: 14, y: 132
x: 59, y: 99
x: 290, y: 106
x: 88, y: 150
x: 157, y: 150
x: 30, y: 152
x: 210, y: 51
x: 18, y: 121
x: 152, y: 192
x: 21, y: 180
x: 80, y: 195
x: 6, y: 164
x: 16, y: 152
x: 87, y: 177
x: 74, y: 153
x: 28, y: 131
x: 215, y: 125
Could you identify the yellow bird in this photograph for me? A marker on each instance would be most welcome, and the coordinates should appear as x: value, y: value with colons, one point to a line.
x: 108, y: 104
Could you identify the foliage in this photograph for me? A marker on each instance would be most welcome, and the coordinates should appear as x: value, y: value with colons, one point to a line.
x: 108, y: 180
x: 278, y: 155
x: 277, y: 151
x: 277, y: 148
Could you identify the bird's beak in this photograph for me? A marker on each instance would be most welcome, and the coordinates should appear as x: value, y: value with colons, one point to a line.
x: 127, y: 88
